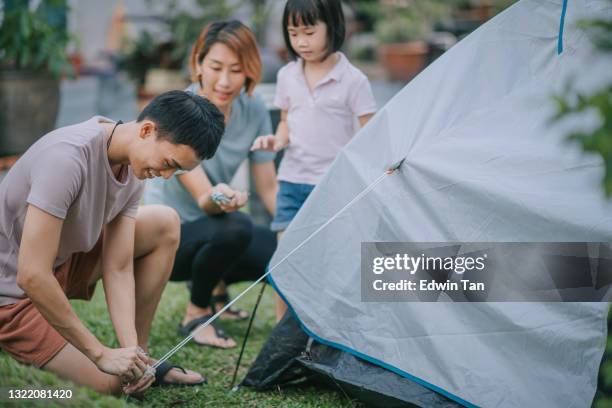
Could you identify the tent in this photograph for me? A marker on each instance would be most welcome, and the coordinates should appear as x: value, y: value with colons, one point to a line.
x: 482, y: 163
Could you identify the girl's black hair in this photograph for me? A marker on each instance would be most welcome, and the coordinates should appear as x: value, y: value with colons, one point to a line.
x: 308, y: 12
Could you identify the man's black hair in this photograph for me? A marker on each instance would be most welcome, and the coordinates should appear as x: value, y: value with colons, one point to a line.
x: 308, y: 12
x: 188, y: 119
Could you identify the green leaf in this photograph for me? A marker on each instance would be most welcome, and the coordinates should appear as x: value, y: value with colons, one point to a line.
x: 570, y: 103
x: 28, y: 41
x: 25, y: 25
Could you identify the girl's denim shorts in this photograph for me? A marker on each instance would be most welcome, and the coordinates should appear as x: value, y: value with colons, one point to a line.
x: 289, y: 200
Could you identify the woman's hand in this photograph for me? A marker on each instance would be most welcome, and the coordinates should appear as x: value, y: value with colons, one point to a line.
x: 237, y: 198
x: 269, y: 143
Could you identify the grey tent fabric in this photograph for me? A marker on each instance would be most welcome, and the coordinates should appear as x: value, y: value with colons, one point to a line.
x: 482, y: 164
x: 290, y: 356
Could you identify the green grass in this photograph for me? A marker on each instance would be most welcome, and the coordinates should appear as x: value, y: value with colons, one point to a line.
x: 217, y: 365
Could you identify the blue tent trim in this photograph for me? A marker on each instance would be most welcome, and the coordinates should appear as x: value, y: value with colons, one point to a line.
x: 561, y: 24
x: 368, y: 358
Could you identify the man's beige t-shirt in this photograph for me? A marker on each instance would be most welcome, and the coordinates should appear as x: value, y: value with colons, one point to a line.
x: 66, y: 173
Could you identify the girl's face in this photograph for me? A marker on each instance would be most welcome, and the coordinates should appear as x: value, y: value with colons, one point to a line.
x: 309, y: 41
x: 222, y: 75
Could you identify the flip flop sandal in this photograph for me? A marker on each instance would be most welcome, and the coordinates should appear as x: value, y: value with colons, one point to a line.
x: 162, y: 370
x: 239, y: 314
x: 185, y: 330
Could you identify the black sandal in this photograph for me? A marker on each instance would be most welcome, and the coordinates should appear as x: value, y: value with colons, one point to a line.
x: 162, y: 370
x: 185, y: 330
x: 239, y: 314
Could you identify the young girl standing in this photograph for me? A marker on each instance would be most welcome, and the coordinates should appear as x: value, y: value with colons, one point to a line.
x: 320, y: 93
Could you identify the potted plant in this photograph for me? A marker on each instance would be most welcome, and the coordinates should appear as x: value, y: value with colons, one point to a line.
x: 402, y: 28
x: 152, y: 66
x: 33, y: 56
x: 478, y: 11
x: 157, y: 65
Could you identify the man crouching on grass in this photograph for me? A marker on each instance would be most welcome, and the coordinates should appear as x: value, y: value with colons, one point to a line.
x: 69, y: 216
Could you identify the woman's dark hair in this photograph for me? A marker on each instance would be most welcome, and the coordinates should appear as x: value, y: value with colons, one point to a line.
x: 308, y: 12
x: 188, y: 119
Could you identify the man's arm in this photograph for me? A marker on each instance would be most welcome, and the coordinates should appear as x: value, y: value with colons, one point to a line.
x: 118, y: 278
x: 37, y: 252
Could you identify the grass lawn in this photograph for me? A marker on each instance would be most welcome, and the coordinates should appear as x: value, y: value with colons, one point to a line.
x: 217, y: 365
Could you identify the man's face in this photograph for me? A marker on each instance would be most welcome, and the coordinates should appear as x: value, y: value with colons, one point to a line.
x: 155, y: 157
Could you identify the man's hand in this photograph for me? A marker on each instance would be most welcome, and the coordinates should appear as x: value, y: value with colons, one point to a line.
x: 269, y: 143
x: 129, y: 363
x: 237, y: 198
x: 141, y: 384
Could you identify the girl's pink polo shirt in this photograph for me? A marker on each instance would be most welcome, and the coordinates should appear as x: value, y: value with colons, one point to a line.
x: 320, y: 122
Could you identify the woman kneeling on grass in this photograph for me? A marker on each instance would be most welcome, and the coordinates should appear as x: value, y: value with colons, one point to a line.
x: 69, y: 216
x: 219, y: 243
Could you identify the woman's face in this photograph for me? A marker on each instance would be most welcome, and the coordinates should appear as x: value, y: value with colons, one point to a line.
x: 222, y: 75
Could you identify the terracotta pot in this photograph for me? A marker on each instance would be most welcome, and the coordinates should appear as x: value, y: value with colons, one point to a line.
x: 482, y: 12
x: 143, y: 98
x: 476, y: 14
x: 29, y: 103
x: 158, y: 81
x: 403, y: 61
x: 76, y: 60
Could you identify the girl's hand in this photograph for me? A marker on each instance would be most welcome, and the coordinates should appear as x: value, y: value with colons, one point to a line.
x: 237, y: 198
x: 269, y: 143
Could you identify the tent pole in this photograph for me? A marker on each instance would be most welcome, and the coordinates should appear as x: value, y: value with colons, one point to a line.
x: 246, y: 335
